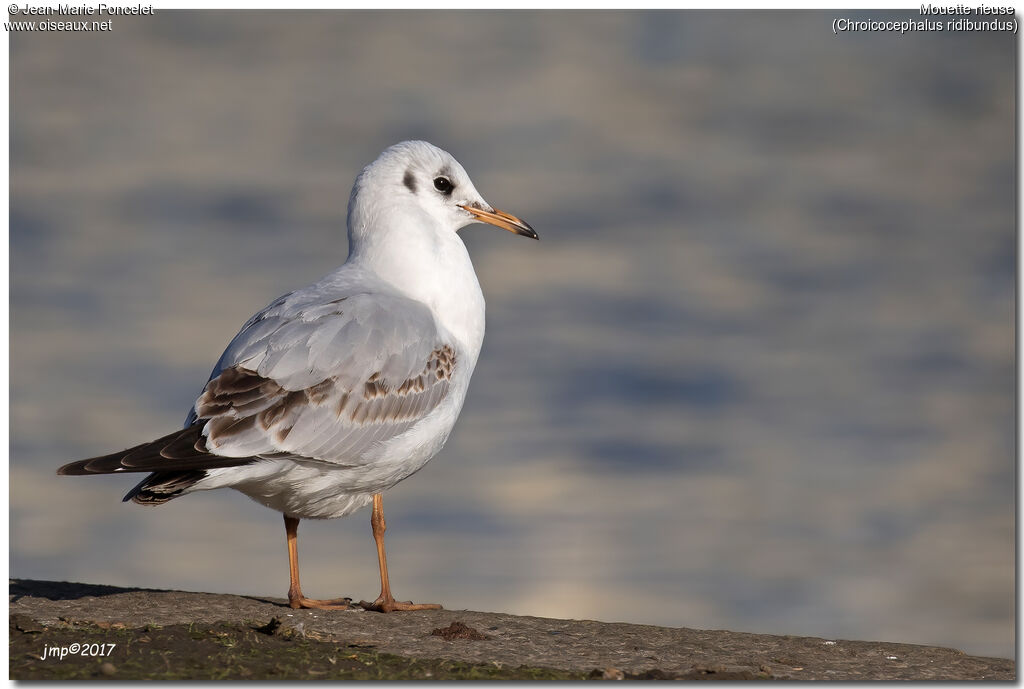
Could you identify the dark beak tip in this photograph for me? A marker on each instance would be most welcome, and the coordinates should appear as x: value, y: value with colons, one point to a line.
x: 528, y: 231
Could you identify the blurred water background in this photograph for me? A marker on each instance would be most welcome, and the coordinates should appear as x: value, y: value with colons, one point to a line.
x: 758, y: 374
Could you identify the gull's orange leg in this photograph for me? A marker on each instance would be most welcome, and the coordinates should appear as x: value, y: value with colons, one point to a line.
x: 295, y: 598
x: 385, y: 601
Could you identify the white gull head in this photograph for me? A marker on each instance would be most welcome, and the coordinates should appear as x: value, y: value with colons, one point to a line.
x: 404, y: 215
x: 417, y: 181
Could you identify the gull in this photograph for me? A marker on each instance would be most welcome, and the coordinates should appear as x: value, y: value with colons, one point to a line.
x: 337, y: 391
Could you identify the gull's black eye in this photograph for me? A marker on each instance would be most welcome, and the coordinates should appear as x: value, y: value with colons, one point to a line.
x: 443, y: 185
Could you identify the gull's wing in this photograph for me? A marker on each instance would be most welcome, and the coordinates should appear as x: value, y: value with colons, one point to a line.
x: 308, y: 377
x: 326, y: 379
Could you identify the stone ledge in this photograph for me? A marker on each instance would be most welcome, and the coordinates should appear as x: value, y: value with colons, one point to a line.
x: 596, y: 649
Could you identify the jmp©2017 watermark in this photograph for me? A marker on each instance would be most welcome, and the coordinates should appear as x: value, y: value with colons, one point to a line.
x: 85, y: 650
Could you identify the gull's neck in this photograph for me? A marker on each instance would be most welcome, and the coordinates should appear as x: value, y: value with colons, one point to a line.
x: 426, y: 262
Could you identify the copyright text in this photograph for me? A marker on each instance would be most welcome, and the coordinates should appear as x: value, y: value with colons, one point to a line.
x: 86, y: 650
x: 80, y: 10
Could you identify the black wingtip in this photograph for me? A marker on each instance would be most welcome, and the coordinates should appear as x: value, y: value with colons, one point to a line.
x: 177, y: 451
x: 74, y: 469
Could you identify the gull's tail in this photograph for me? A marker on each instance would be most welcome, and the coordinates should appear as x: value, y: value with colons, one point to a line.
x: 158, y: 488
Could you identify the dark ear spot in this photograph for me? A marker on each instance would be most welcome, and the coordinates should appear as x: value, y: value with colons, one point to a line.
x: 409, y: 181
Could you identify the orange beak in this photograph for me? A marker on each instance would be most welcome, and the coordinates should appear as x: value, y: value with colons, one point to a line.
x: 505, y: 221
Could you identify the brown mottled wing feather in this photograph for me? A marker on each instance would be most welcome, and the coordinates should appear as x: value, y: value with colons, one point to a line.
x: 329, y: 421
x: 181, y: 450
x: 326, y: 378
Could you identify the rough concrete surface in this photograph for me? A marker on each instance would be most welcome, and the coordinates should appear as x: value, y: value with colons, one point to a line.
x: 605, y: 650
